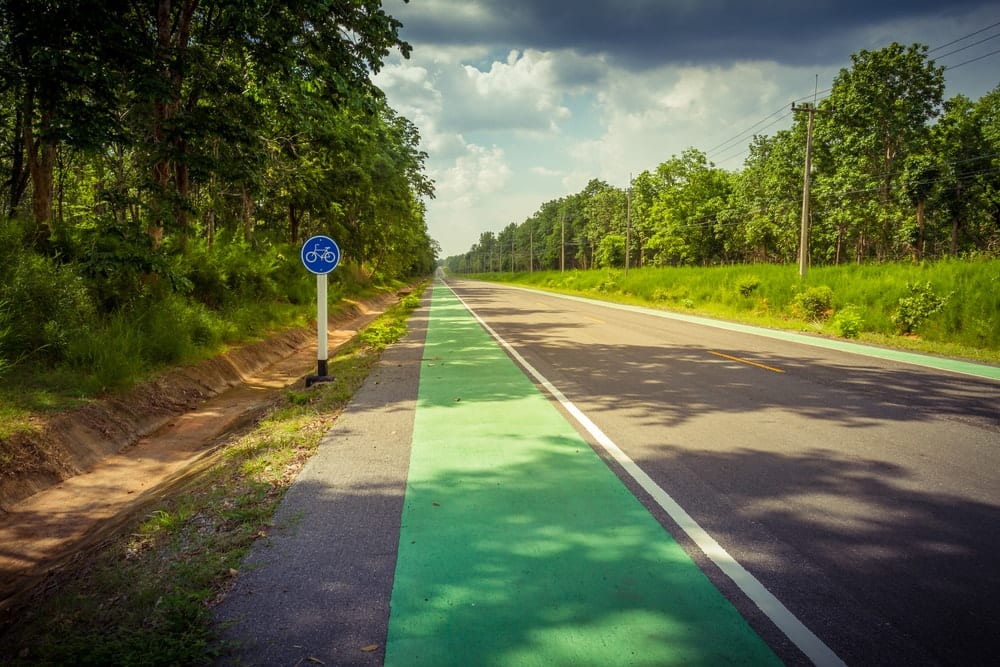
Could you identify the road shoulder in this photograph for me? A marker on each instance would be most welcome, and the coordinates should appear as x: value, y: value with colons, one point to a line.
x: 318, y: 588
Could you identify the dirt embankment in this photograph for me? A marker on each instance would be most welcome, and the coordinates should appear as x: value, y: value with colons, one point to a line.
x: 88, y: 470
x: 71, y: 443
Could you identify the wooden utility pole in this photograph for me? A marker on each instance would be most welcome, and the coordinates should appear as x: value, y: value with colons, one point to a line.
x: 562, y: 260
x: 806, y: 178
x: 628, y: 221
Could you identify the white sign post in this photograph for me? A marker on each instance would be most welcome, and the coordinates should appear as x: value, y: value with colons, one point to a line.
x: 320, y: 254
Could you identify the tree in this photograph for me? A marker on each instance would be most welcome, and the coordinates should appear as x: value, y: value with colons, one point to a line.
x: 919, y: 179
x: 686, y: 210
x: 645, y: 188
x: 133, y: 127
x: 61, y: 61
x: 604, y: 209
x: 764, y: 207
x: 207, y: 50
x: 880, y: 113
x: 611, y: 251
x: 967, y: 178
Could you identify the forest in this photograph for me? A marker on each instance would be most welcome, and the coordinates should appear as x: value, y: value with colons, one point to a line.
x: 162, y: 161
x: 898, y: 173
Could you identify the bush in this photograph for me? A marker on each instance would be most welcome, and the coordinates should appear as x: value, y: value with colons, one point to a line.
x: 234, y: 272
x: 168, y: 328
x: 848, y: 323
x: 108, y: 357
x: 609, y: 284
x: 5, y: 363
x: 917, y: 306
x: 747, y: 285
x: 48, y: 305
x: 816, y: 303
x: 120, y: 264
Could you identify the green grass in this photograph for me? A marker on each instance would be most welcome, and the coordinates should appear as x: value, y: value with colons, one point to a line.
x: 867, y: 297
x: 113, y: 355
x: 145, y: 599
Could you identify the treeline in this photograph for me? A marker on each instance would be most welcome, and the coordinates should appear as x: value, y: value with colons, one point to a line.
x: 897, y: 173
x: 155, y: 149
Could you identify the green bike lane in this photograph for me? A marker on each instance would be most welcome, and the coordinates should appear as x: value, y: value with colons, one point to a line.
x: 519, y: 546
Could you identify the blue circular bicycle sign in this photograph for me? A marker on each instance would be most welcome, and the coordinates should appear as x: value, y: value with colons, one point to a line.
x: 320, y: 254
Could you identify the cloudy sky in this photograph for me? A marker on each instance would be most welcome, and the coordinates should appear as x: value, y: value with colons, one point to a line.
x: 520, y: 102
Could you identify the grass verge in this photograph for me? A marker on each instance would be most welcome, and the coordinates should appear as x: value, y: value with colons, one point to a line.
x: 31, y: 391
x: 145, y: 597
x: 949, y: 308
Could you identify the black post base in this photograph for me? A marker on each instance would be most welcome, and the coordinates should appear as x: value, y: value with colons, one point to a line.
x: 316, y: 379
x: 321, y: 374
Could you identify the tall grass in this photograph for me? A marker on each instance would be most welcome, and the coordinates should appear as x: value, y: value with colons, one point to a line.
x: 71, y: 329
x: 772, y: 295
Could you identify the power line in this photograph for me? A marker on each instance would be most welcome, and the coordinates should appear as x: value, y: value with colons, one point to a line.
x: 956, y: 41
x: 962, y: 39
x: 746, y: 150
x: 750, y: 130
x: 986, y: 55
x: 969, y: 46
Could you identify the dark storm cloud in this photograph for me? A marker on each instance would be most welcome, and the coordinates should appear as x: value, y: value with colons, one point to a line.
x: 648, y: 33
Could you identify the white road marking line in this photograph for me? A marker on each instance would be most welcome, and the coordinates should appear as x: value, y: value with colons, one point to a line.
x: 796, y: 631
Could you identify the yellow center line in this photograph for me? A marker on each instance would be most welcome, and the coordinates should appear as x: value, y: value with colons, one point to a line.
x: 593, y: 319
x: 746, y: 361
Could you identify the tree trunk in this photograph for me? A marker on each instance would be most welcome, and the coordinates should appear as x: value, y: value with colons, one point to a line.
x: 918, y: 247
x: 19, y: 174
x: 182, y: 178
x: 293, y: 223
x: 172, y: 39
x: 247, y: 215
x: 210, y: 227
x: 41, y: 156
x: 42, y: 162
x: 955, y: 222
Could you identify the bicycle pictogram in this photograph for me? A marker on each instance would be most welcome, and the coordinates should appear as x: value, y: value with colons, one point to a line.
x: 320, y: 254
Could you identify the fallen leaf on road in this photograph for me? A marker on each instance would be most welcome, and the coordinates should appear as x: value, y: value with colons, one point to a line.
x: 370, y: 648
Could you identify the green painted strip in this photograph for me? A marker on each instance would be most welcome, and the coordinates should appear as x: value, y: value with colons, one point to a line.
x: 520, y: 547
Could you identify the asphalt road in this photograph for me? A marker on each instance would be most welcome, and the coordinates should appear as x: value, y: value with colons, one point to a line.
x: 863, y: 493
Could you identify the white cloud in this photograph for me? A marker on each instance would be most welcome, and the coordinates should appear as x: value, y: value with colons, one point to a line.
x: 481, y: 171
x: 517, y: 93
x: 546, y: 172
x: 651, y: 116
